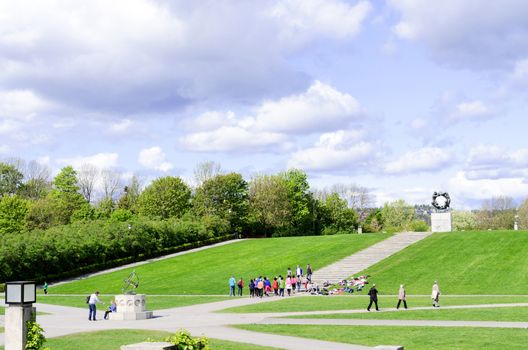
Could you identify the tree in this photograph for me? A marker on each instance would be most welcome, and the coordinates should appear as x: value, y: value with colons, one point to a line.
x: 339, y: 217
x: 496, y: 213
x: 111, y: 182
x: 522, y: 212
x: 130, y: 194
x: 358, y: 198
x: 205, y: 171
x: 13, y: 211
x: 299, y: 197
x: 10, y: 179
x: 65, y: 198
x: 87, y: 177
x: 225, y: 196
x: 269, y: 202
x: 37, y: 182
x: 164, y: 198
x: 397, y: 216
x: 463, y: 220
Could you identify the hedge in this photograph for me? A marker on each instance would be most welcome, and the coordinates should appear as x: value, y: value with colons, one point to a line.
x: 76, y: 249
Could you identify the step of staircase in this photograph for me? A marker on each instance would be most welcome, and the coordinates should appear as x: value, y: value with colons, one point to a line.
x: 359, y: 261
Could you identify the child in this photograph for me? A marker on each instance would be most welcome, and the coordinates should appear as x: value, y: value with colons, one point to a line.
x: 111, y: 308
x: 251, y: 289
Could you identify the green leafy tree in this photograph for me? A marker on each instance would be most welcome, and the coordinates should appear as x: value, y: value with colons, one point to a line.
x: 13, y: 211
x: 300, y: 200
x: 270, y: 207
x: 397, y: 216
x: 497, y: 213
x: 522, y: 213
x: 65, y: 197
x: 35, y: 189
x: 40, y: 215
x: 339, y: 217
x: 10, y: 179
x: 104, y: 208
x: 164, y: 198
x: 225, y: 196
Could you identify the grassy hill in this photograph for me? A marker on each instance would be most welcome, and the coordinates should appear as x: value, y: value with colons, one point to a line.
x: 208, y: 271
x: 488, y: 262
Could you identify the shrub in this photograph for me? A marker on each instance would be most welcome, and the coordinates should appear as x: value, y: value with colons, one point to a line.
x: 185, y: 341
x: 35, y: 338
x: 419, y: 226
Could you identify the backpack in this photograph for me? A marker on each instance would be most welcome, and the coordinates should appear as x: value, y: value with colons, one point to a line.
x: 88, y: 299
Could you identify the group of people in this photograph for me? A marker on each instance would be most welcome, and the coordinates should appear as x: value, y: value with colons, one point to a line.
x: 93, y: 300
x: 402, y: 297
x: 263, y: 286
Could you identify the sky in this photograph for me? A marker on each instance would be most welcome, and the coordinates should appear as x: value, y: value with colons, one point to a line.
x: 403, y: 97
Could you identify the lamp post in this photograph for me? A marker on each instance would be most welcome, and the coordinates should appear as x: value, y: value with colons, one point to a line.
x: 20, y: 296
x: 515, y: 223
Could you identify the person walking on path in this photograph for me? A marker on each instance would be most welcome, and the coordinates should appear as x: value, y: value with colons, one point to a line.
x: 282, y: 285
x: 232, y: 282
x: 401, y: 297
x: 373, y: 293
x: 435, y: 294
x: 240, y: 285
x: 94, y: 298
x: 309, y: 273
x: 251, y: 289
x: 45, y: 287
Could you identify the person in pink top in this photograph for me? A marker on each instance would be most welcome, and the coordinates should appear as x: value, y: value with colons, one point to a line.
x: 288, y: 285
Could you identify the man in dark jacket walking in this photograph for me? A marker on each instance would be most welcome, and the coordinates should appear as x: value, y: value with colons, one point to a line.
x: 373, y: 292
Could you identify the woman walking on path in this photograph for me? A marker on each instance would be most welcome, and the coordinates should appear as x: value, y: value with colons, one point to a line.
x: 401, y: 297
x: 288, y: 285
x: 240, y: 285
x: 435, y: 294
x: 251, y: 289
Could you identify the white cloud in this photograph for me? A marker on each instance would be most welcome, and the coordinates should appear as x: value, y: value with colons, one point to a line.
x: 99, y: 160
x: 21, y: 105
x: 426, y: 159
x: 418, y: 124
x: 121, y: 126
x: 4, y: 149
x: 487, y: 188
x: 334, y: 151
x: 232, y: 138
x: 494, y: 162
x: 471, y: 110
x: 330, y: 18
x: 320, y: 108
x: 458, y: 32
x: 154, y: 158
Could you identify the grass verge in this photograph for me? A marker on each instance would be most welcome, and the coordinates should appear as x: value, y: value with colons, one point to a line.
x: 208, y: 271
x: 154, y: 302
x: 356, y: 302
x: 412, y: 338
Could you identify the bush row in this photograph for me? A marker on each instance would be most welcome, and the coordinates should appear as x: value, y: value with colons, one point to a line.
x: 71, y: 250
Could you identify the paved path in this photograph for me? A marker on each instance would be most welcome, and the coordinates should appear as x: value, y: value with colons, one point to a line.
x: 359, y: 261
x: 203, y: 320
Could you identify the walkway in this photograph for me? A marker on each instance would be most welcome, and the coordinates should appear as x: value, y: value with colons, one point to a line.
x: 202, y: 319
x: 361, y: 260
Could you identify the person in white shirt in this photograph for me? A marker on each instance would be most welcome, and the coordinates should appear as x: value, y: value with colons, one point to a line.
x: 94, y: 298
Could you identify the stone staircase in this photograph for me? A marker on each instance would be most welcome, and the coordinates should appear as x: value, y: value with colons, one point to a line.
x: 359, y: 261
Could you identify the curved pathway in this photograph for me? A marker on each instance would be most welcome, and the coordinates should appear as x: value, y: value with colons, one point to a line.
x: 203, y: 319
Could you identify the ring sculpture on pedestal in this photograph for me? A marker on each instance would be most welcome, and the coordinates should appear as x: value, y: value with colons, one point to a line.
x: 443, y: 203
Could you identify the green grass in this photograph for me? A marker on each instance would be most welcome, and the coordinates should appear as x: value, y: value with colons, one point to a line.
x: 502, y: 314
x: 353, y: 302
x: 114, y: 339
x: 207, y: 272
x: 488, y: 262
x: 412, y: 338
x: 154, y: 302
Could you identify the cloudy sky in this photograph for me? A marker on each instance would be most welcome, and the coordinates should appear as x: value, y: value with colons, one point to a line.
x: 404, y: 97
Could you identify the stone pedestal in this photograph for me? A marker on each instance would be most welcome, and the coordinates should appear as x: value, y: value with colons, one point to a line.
x: 16, y: 317
x: 441, y: 222
x: 131, y: 307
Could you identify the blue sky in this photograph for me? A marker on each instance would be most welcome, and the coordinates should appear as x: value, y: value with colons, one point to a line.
x: 404, y: 97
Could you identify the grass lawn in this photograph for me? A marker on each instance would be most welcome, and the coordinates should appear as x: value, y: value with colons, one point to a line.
x: 351, y: 302
x: 503, y: 314
x: 487, y: 262
x: 154, y: 302
x: 208, y: 271
x: 113, y: 339
x: 412, y: 338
